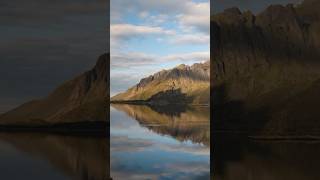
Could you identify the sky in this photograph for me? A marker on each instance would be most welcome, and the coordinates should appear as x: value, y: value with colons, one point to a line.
x: 147, y: 36
x: 45, y: 42
x: 254, y: 6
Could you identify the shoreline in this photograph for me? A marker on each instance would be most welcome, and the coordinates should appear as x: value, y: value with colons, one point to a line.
x: 271, y: 138
x: 94, y: 129
x: 148, y: 103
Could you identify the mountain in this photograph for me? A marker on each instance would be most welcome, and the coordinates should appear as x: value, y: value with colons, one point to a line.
x: 82, y: 99
x: 266, y: 70
x: 180, y: 85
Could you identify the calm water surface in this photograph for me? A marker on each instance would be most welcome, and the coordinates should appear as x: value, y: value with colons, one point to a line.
x: 157, y: 143
x: 52, y: 157
x: 153, y: 143
x: 242, y: 158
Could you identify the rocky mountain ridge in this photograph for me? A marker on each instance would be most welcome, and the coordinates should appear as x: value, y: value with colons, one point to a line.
x: 186, y: 83
x: 198, y: 71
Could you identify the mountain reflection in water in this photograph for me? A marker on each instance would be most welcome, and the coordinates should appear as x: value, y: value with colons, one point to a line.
x: 159, y: 143
x: 242, y: 158
x: 44, y: 156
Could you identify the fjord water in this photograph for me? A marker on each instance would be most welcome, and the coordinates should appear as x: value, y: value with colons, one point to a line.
x: 159, y: 143
x: 235, y: 157
x: 53, y: 157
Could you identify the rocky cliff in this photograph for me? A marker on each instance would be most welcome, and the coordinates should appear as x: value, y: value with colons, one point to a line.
x: 82, y: 99
x: 180, y: 85
x: 265, y: 70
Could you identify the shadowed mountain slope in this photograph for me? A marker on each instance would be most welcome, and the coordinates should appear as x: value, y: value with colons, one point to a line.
x: 266, y: 70
x: 180, y: 85
x: 82, y: 99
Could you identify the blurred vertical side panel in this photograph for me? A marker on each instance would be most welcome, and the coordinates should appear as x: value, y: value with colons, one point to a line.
x: 265, y: 82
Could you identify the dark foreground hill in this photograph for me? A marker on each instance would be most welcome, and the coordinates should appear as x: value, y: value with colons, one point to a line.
x: 82, y: 100
x: 266, y: 71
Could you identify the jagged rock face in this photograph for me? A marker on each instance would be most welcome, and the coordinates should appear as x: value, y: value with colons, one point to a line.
x: 197, y: 71
x: 187, y: 82
x: 277, y: 46
x: 84, y: 98
x: 265, y: 61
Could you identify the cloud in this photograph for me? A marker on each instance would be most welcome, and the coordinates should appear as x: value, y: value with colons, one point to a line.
x: 125, y: 32
x: 131, y: 59
x: 190, y: 22
x: 195, y: 15
x: 139, y: 59
x: 190, y: 18
x: 158, y: 19
x: 143, y: 14
x: 120, y: 81
x: 129, y: 30
x: 168, y: 7
x: 191, y: 39
x: 187, y: 57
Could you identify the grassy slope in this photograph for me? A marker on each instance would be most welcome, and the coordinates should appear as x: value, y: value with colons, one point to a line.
x: 198, y: 91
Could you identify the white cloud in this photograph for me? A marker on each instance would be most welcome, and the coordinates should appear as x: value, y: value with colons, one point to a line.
x: 168, y: 7
x: 191, y: 18
x: 158, y: 19
x: 196, y: 17
x: 191, y: 39
x: 143, y: 14
x: 191, y: 22
x: 188, y: 57
x: 131, y: 59
x: 129, y: 30
x: 138, y: 59
x: 124, y: 32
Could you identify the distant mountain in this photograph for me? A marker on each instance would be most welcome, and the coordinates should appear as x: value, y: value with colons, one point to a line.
x: 180, y: 85
x: 82, y: 99
x: 266, y: 70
